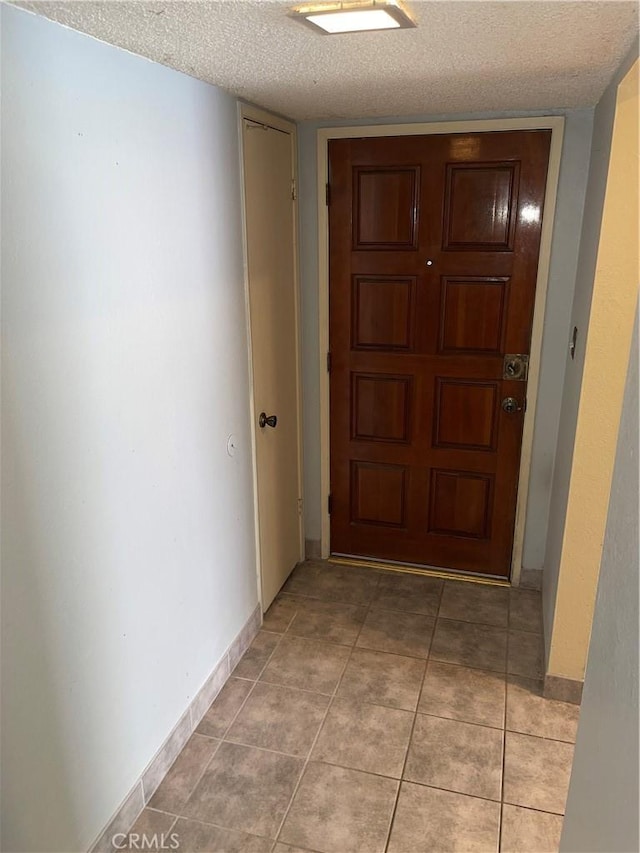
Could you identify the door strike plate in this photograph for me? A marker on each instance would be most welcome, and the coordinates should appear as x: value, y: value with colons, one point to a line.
x: 515, y: 366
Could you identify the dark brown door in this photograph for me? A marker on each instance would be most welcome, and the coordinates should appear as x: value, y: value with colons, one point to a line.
x: 434, y: 244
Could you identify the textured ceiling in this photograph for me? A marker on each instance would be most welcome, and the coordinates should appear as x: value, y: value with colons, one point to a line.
x: 463, y: 57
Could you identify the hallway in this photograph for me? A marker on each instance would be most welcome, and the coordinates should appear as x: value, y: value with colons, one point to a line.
x: 377, y: 711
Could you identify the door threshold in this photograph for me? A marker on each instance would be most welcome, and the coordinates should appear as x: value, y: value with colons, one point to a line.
x: 415, y: 569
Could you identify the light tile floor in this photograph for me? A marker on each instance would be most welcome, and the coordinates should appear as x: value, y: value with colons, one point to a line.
x: 374, y: 712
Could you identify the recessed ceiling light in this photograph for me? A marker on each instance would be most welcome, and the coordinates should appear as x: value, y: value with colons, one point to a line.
x: 333, y: 18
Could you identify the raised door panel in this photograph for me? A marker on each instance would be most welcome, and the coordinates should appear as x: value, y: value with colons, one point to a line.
x: 385, y: 201
x: 382, y: 313
x: 380, y: 407
x: 473, y: 314
x: 465, y: 414
x: 480, y: 206
x: 378, y: 494
x: 460, y: 504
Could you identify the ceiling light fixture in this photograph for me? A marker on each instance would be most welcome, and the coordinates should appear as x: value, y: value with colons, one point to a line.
x: 334, y: 18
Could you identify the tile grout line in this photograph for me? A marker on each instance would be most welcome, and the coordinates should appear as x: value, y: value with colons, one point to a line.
x: 161, y: 811
x: 427, y: 658
x: 367, y: 608
x: 506, y: 627
x: 198, y: 779
x: 253, y: 686
x: 207, y: 823
x: 473, y: 796
x: 326, y: 714
x: 220, y: 739
x: 413, y: 726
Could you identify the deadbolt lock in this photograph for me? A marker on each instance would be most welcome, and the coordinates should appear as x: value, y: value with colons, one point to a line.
x: 515, y: 366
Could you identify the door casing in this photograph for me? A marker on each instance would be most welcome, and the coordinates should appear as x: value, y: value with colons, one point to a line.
x: 553, y: 123
x: 255, y: 114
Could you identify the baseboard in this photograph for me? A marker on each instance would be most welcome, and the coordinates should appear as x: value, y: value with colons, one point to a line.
x: 531, y: 578
x: 146, y: 785
x: 564, y: 689
x: 312, y: 549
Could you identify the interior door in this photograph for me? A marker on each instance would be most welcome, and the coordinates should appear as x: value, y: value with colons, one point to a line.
x: 434, y: 245
x: 270, y: 212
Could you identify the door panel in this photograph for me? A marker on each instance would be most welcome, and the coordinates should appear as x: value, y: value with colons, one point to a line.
x: 270, y: 210
x: 382, y: 312
x: 434, y: 247
x: 385, y: 204
x: 479, y: 207
x: 380, y: 406
x: 473, y: 314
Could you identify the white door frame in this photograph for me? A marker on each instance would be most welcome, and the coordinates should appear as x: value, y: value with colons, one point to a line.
x: 553, y: 123
x: 259, y: 116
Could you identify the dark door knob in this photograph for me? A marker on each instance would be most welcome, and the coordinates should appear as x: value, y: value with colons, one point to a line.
x: 511, y: 405
x: 264, y: 421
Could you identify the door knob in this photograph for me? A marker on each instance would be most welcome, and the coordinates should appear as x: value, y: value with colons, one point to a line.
x: 511, y: 405
x: 264, y: 421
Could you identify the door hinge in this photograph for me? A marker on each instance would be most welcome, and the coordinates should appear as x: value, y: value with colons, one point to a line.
x: 328, y: 362
x: 300, y: 506
x: 294, y: 189
x: 329, y: 504
x: 328, y: 194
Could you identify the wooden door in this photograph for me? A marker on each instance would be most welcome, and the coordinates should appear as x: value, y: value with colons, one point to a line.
x: 270, y: 234
x: 434, y: 246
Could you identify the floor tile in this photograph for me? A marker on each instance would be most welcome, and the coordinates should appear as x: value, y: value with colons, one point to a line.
x: 525, y: 610
x: 330, y: 582
x: 529, y: 713
x: 411, y: 593
x: 467, y: 644
x: 337, y: 810
x: 246, y: 789
x: 527, y: 831
x: 526, y: 655
x: 254, y: 659
x: 331, y: 621
x: 429, y: 820
x: 287, y: 848
x: 474, y: 602
x: 196, y: 837
x: 280, y: 615
x: 224, y: 708
x: 149, y: 823
x: 174, y: 790
x: 383, y: 679
x: 458, y: 693
x: 365, y: 737
x: 279, y: 718
x: 397, y: 632
x: 457, y: 756
x: 536, y: 772
x: 307, y: 664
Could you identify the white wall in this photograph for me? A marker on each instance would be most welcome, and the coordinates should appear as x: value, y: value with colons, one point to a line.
x: 579, y: 317
x: 128, y: 560
x: 602, y: 807
x: 562, y: 273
